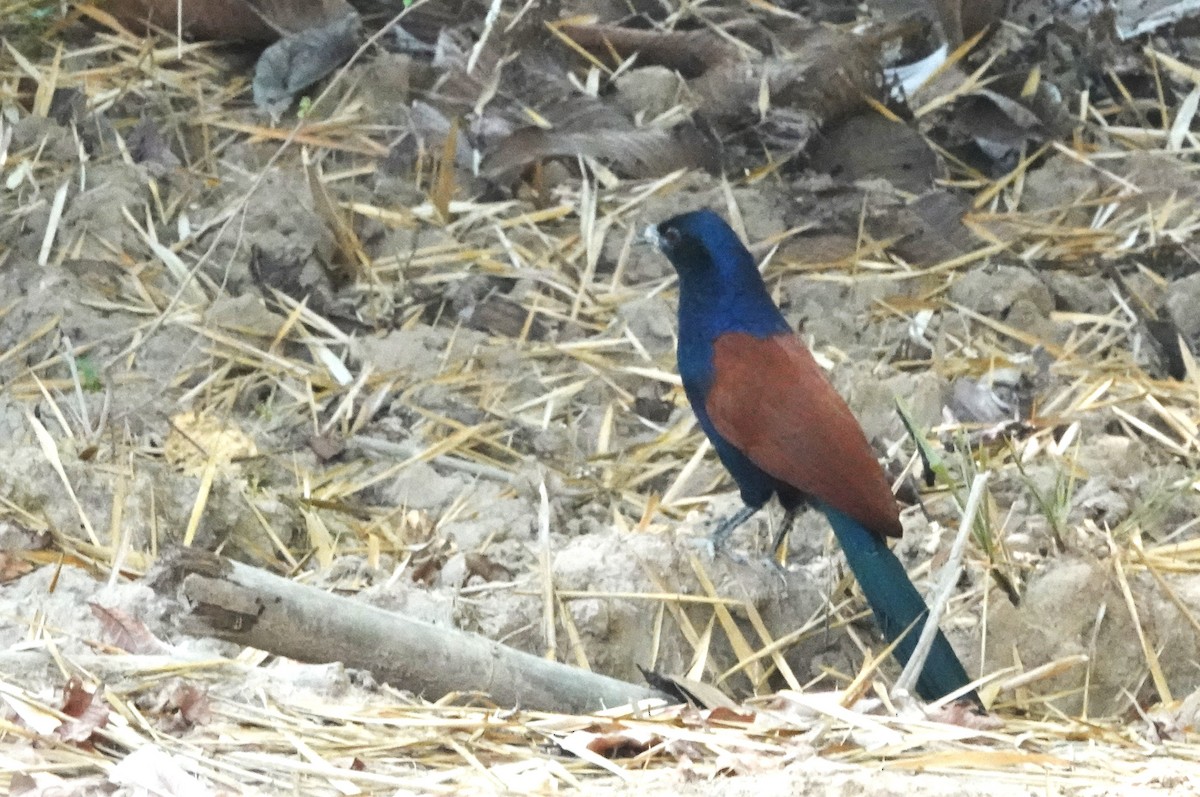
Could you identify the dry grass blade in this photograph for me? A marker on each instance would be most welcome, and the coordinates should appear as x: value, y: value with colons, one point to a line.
x: 444, y: 176
x: 354, y: 259
x: 1152, y: 661
x: 414, y: 448
x: 50, y: 451
x: 741, y: 646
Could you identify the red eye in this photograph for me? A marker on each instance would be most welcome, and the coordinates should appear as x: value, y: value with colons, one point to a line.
x: 670, y: 236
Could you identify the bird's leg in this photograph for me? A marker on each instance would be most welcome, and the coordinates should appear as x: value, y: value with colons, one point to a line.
x: 785, y: 527
x: 727, y: 526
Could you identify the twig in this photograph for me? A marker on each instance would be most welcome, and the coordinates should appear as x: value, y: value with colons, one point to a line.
x: 547, y: 574
x: 916, y: 663
x: 406, y: 449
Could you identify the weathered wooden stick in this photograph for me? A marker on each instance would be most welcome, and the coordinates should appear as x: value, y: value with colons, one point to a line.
x: 252, y: 607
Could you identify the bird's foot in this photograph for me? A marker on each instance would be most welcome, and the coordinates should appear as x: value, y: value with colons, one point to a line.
x: 713, y: 548
x: 731, y: 555
x: 716, y: 541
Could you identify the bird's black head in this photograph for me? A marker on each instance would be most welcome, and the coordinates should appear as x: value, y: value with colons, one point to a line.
x: 720, y: 288
x: 701, y: 246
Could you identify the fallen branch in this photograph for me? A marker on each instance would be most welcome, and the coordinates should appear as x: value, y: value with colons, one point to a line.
x: 252, y: 607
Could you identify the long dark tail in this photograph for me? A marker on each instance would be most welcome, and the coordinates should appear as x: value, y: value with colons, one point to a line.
x: 897, y: 604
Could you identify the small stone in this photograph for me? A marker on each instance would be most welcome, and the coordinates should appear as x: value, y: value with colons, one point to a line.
x: 650, y: 90
x: 995, y: 291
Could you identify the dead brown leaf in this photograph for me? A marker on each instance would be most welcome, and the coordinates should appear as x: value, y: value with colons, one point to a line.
x: 85, y: 714
x: 192, y: 703
x: 965, y: 714
x: 486, y: 568
x: 127, y: 632
x: 13, y: 566
x: 617, y: 741
x: 725, y: 715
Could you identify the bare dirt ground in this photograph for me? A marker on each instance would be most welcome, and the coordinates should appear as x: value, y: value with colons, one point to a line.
x: 369, y: 346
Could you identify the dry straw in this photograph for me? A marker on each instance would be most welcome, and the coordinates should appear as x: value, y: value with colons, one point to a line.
x: 395, y: 744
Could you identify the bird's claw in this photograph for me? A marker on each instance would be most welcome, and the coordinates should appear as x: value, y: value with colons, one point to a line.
x: 717, y: 546
x: 714, y: 546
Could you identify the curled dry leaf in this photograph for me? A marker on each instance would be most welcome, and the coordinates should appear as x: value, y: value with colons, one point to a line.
x: 486, y: 568
x: 965, y: 714
x: 1174, y: 722
x: 177, y: 705
x: 724, y: 715
x: 299, y: 60
x: 192, y: 703
x: 998, y: 125
x: 613, y: 741
x: 127, y: 632
x: 590, y: 130
x: 85, y: 715
x: 13, y: 566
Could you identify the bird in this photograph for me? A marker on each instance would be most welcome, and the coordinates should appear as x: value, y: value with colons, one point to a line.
x: 781, y: 429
